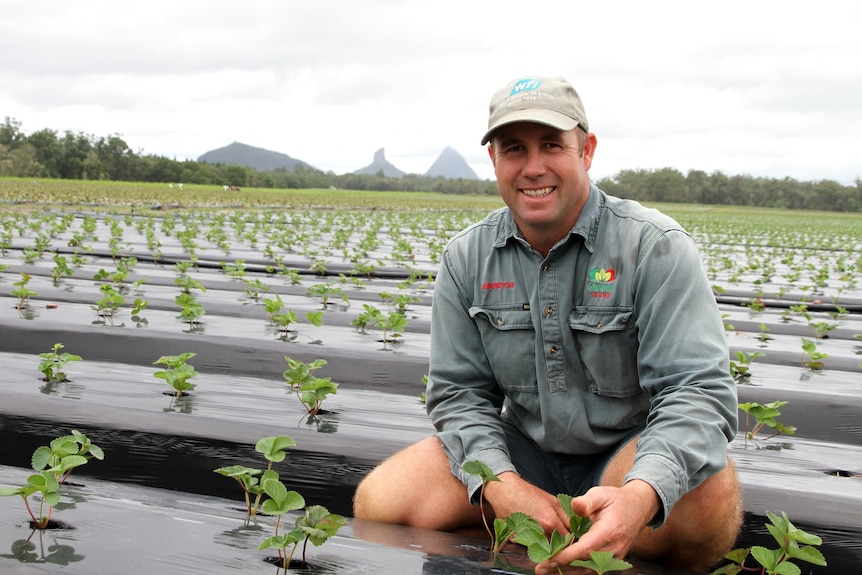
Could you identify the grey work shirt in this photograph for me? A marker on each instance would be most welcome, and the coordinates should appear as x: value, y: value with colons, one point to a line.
x: 615, y: 331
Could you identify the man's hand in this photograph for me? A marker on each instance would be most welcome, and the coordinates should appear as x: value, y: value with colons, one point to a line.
x: 512, y: 494
x: 619, y: 514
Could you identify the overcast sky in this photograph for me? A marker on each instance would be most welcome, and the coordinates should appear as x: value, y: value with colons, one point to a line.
x: 766, y: 88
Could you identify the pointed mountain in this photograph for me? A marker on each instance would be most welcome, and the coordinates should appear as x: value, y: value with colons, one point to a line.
x: 451, y: 164
x: 379, y: 164
x: 237, y: 154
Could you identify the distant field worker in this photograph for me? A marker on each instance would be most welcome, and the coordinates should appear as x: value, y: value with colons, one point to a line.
x: 576, y: 347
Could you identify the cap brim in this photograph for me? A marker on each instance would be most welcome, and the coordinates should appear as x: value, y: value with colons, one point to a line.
x: 536, y: 116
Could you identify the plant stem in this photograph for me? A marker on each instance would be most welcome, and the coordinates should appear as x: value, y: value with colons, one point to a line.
x: 30, y: 511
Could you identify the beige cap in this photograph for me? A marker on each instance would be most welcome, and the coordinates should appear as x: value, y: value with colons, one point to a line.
x: 544, y: 100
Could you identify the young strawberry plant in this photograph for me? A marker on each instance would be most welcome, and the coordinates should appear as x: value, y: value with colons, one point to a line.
x: 793, y: 544
x: 272, y: 307
x: 499, y: 536
x: 22, y: 292
x: 525, y: 530
x: 254, y: 288
x: 137, y: 307
x: 53, y: 362
x: 822, y: 328
x: 764, y: 336
x: 53, y: 464
x: 191, y: 311
x: 326, y: 292
x: 741, y: 368
x: 109, y: 306
x: 392, y: 325
x: 178, y: 372
x: 61, y: 268
x: 283, y: 320
x: 811, y: 358
x: 272, y: 448
x: 310, y: 390
x: 765, y: 416
x: 365, y: 319
x: 187, y: 283
x: 317, y: 525
x: 281, y: 501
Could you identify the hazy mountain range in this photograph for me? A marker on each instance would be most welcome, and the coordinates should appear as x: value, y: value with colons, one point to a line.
x: 449, y: 164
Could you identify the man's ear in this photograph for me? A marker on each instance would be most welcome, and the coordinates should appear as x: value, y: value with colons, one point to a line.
x: 491, y: 155
x: 589, y: 149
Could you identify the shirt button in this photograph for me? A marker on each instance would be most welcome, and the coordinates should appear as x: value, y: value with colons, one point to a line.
x: 549, y: 310
x: 499, y: 321
x: 552, y: 350
x: 546, y: 267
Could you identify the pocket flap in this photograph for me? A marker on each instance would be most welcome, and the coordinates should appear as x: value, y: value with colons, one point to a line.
x: 505, y: 318
x: 596, y: 319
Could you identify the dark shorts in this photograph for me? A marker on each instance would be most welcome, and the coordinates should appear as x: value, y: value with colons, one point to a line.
x: 555, y: 472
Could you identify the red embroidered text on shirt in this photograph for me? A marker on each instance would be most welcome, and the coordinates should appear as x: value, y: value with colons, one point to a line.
x: 498, y: 285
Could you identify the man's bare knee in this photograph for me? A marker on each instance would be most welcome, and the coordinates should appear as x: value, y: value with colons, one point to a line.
x: 701, y: 527
x: 414, y: 487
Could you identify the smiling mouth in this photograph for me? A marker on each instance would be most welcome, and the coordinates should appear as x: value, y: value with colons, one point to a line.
x: 539, y: 193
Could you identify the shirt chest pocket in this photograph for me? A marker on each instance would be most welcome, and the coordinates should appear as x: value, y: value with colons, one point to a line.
x: 509, y: 339
x: 606, y: 340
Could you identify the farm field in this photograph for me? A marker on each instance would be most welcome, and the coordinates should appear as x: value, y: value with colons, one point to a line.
x: 122, y: 275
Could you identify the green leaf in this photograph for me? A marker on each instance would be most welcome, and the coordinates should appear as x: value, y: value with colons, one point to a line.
x: 43, y: 481
x: 68, y: 462
x: 315, y: 318
x: 786, y: 568
x: 502, y: 533
x: 578, y: 526
x: 602, y: 562
x: 807, y: 553
x: 279, y: 541
x: 236, y: 471
x: 480, y: 469
x: 729, y: 569
x: 281, y: 500
x: 273, y: 447
x: 41, y: 458
x: 769, y: 558
x: 5, y: 491
x: 528, y: 536
x: 560, y: 541
x: 319, y: 524
x: 275, y: 489
x: 539, y: 551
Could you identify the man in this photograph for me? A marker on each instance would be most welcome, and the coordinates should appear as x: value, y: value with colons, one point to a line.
x: 576, y: 347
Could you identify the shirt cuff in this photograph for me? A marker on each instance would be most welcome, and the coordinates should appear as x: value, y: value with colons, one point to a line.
x: 665, y: 476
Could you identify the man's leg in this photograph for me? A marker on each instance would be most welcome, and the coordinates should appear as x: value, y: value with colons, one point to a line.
x: 415, y: 487
x: 701, y: 527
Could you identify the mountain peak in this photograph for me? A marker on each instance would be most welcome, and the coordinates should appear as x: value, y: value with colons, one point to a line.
x: 239, y: 154
x: 451, y: 164
x: 380, y: 164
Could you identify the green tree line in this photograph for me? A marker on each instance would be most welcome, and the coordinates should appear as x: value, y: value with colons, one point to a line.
x: 80, y: 156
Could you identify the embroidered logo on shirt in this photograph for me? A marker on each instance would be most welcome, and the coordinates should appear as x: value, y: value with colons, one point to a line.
x: 601, y: 284
x: 498, y: 285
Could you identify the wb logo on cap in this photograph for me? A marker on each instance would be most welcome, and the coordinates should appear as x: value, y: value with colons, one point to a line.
x: 525, y: 84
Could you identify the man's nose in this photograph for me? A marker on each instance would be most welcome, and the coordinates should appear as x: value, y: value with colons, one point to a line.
x: 534, y: 163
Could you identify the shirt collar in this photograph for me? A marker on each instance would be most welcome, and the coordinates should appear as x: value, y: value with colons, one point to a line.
x: 587, y: 225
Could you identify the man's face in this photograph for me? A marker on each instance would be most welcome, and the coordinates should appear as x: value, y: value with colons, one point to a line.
x: 542, y: 177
